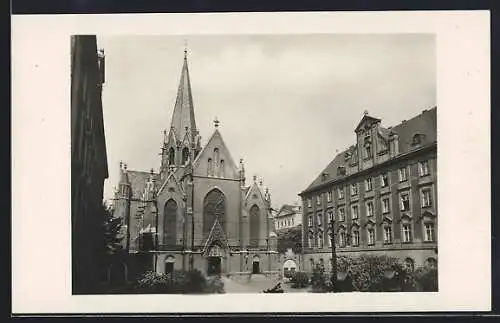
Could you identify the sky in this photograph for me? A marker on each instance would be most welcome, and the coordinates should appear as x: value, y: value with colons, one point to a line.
x: 286, y: 103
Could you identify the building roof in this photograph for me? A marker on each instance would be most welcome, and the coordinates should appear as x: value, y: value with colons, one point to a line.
x: 138, y: 180
x: 424, y: 124
x: 183, y: 115
x: 287, y: 209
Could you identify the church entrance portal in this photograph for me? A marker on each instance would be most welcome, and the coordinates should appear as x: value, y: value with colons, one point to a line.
x: 214, y: 266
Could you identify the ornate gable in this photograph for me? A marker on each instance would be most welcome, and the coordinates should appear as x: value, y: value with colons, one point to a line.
x: 216, y: 237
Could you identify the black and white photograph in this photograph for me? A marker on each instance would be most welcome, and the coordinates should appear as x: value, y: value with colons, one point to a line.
x: 316, y: 173
x: 257, y: 163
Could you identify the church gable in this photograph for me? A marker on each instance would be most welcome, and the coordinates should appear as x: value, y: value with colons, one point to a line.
x: 216, y: 237
x: 215, y: 160
x: 171, y: 184
x: 254, y: 195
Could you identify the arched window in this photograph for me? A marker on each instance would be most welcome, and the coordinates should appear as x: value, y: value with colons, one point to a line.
x: 210, y: 167
x: 221, y: 170
x: 319, y: 238
x: 170, y: 223
x: 214, y: 207
x: 310, y: 240
x: 171, y: 156
x: 254, y: 225
x: 185, y: 155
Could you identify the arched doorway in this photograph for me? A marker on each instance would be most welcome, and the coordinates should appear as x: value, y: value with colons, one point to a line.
x: 169, y: 264
x: 289, y: 267
x: 214, y: 207
x: 214, y: 260
x: 256, y: 265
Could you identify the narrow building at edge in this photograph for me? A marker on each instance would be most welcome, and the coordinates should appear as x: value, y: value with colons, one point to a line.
x: 197, y: 211
x: 381, y: 194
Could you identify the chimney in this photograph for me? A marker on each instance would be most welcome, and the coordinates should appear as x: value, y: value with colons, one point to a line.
x: 403, y: 122
x: 424, y: 111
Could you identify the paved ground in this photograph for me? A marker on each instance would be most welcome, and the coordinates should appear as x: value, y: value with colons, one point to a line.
x: 256, y: 284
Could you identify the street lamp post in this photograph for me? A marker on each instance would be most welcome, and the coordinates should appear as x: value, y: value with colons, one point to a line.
x: 334, y: 256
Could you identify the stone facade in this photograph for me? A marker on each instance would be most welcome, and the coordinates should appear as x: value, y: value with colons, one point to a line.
x: 89, y: 166
x: 288, y: 216
x: 381, y: 195
x: 196, y: 211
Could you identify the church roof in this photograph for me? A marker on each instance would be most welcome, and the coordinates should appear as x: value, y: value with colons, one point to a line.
x: 183, y: 115
x: 424, y: 123
x: 138, y: 180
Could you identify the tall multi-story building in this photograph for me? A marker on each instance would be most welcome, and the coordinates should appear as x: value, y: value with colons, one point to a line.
x: 89, y: 167
x: 380, y: 193
x: 196, y: 211
x: 288, y: 216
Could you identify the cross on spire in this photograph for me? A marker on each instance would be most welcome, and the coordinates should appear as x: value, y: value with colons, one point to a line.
x: 216, y: 122
x: 365, y: 112
x: 185, y: 48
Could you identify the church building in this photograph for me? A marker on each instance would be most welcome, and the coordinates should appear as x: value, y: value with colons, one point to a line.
x: 196, y: 211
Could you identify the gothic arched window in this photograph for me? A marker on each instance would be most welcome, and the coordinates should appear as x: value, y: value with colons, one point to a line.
x: 254, y: 225
x: 209, y: 167
x: 214, y: 207
x: 171, y: 156
x: 170, y: 222
x: 185, y: 155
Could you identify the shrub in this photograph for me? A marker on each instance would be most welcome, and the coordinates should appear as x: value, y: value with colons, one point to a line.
x: 176, y: 282
x: 300, y: 280
x: 318, y: 280
x: 215, y: 286
x: 426, y: 279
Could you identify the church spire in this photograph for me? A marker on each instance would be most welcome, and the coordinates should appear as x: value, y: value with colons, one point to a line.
x: 183, y: 115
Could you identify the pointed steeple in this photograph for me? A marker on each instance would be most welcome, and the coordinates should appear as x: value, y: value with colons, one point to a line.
x: 183, y: 115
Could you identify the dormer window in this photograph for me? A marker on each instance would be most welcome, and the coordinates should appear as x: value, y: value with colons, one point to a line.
x: 324, y: 176
x: 418, y: 139
x: 341, y: 170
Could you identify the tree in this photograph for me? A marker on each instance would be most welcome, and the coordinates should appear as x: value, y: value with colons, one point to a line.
x: 111, y: 228
x: 290, y: 239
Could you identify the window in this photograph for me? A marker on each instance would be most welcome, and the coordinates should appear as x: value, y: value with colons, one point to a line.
x: 329, y: 238
x: 368, y: 151
x: 292, y: 221
x: 319, y: 218
x: 355, y: 238
x: 341, y: 214
x: 329, y: 196
x: 429, y: 232
x: 340, y: 171
x: 330, y: 216
x: 384, y: 180
x: 318, y: 199
x: 310, y: 240
x: 387, y: 234
x: 369, y: 208
x: 342, y: 240
x: 354, y: 212
x: 403, y: 175
x: 341, y: 193
x: 309, y: 203
x: 426, y: 197
x: 310, y: 220
x: 405, y: 201
x: 368, y: 184
x: 423, y: 168
x: 385, y: 205
x: 406, y: 233
x: 320, y: 239
x: 354, y: 189
x: 371, y: 236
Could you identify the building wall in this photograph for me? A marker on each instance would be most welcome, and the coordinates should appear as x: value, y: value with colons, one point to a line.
x: 418, y: 249
x: 89, y: 166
